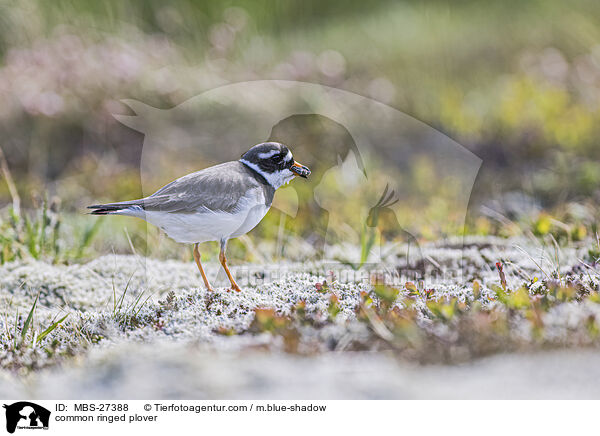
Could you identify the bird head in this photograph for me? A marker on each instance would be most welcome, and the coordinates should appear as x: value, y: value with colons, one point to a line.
x: 274, y: 161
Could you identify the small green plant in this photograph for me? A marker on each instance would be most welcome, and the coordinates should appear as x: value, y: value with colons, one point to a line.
x: 128, y: 315
x: 26, y: 336
x: 387, y: 295
x: 593, y: 255
x: 23, y: 235
x: 86, y: 239
x: 334, y: 307
x: 37, y: 234
x: 367, y: 240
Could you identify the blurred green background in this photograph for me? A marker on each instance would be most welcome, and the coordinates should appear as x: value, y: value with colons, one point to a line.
x: 517, y: 83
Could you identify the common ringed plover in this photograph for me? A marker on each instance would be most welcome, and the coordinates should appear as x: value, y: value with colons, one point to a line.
x: 217, y: 203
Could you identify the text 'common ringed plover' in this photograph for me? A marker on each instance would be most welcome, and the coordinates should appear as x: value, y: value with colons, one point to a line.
x: 217, y: 203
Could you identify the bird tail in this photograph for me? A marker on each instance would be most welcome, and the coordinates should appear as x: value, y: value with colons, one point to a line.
x: 121, y: 208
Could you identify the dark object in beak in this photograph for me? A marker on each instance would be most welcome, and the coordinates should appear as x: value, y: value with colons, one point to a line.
x: 300, y: 170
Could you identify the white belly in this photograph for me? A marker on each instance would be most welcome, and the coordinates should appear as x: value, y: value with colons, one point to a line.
x: 253, y: 217
x: 204, y: 226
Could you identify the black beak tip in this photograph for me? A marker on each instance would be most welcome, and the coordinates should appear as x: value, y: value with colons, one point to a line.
x: 301, y: 171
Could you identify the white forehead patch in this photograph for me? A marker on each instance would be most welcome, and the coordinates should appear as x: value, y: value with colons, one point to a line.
x: 268, y: 154
x: 288, y: 156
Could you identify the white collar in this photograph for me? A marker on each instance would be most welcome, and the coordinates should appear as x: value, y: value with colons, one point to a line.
x: 276, y: 180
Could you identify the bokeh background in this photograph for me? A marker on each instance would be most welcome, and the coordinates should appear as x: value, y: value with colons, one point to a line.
x: 516, y: 83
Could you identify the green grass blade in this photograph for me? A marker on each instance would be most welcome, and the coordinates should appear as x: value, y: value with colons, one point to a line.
x: 87, y: 238
x: 55, y: 239
x: 42, y: 229
x: 367, y: 240
x: 122, y: 299
x: 15, y: 330
x: 51, y: 328
x: 29, y: 319
x: 142, y: 305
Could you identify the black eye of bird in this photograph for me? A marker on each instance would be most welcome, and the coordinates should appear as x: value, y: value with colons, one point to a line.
x: 276, y: 158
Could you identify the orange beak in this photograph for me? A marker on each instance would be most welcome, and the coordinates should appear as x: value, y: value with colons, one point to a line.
x: 300, y: 170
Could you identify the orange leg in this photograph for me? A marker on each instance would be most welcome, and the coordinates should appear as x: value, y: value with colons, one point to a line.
x: 223, y: 259
x: 197, y: 259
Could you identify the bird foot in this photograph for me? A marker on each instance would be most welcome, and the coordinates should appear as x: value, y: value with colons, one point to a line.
x: 235, y: 288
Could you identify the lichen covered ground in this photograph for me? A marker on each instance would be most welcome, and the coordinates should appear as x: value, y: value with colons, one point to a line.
x: 472, y: 318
